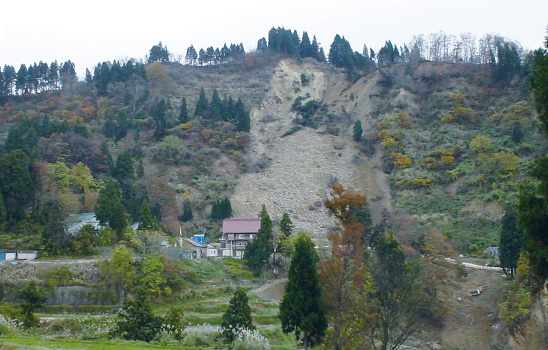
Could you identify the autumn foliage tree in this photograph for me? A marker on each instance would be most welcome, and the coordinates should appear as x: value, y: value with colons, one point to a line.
x: 344, y: 273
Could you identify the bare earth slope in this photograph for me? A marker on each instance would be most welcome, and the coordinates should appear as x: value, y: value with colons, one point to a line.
x: 303, y: 165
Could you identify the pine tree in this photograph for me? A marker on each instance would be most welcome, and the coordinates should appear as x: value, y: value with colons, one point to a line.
x: 158, y: 53
x: 226, y: 208
x: 191, y: 56
x: 33, y: 298
x: 187, y: 212
x: 2, y: 213
x: 533, y: 204
x: 109, y: 209
x: 511, y: 242
x: 301, y: 309
x: 183, y: 112
x: 202, y: 105
x: 286, y: 225
x: 140, y: 169
x: 124, y: 167
x: 237, y: 316
x: 215, y: 107
x: 159, y: 112
x: 258, y: 251
x: 262, y: 45
x: 136, y: 320
x: 358, y: 131
x: 147, y: 221
x: 243, y: 119
x: 306, y: 47
x: 16, y: 184
x: 107, y: 157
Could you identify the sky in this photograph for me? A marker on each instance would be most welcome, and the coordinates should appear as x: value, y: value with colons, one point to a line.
x: 89, y: 32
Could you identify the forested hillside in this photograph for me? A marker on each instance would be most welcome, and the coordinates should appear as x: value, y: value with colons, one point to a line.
x: 392, y: 160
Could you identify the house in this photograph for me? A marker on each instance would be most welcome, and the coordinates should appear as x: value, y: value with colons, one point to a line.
x: 8, y: 255
x: 197, y: 249
x: 76, y: 221
x: 214, y: 250
x: 237, y: 233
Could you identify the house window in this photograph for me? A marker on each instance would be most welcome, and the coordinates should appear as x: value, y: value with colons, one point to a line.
x: 240, y: 236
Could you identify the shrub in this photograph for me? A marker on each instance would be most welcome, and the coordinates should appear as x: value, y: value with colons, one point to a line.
x: 250, y: 340
x: 480, y: 143
x: 400, y: 160
x: 516, y: 307
x: 388, y: 142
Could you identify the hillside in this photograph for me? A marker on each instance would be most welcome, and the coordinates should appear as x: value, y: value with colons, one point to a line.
x: 299, y: 168
x: 444, y: 150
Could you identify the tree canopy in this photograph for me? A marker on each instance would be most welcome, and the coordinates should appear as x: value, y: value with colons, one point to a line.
x: 301, y: 309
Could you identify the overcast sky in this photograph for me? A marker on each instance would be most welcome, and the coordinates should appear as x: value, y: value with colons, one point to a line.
x: 88, y: 32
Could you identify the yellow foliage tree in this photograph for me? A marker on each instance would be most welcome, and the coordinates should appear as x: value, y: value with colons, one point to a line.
x: 156, y: 73
x: 481, y: 143
x: 400, y: 160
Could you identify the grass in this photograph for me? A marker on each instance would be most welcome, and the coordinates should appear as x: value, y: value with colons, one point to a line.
x: 38, y: 342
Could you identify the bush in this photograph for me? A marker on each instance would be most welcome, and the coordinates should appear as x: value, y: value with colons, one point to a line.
x: 136, y: 321
x: 69, y: 327
x: 250, y: 340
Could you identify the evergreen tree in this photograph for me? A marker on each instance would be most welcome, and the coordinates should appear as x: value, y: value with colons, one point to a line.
x: 258, y: 251
x: 124, y: 169
x: 262, y: 45
x: 340, y: 53
x: 511, y: 242
x: 147, y: 221
x: 136, y: 321
x: 16, y: 185
x: 215, y: 107
x: 202, y: 105
x: 22, y: 76
x: 237, y: 316
x: 286, y: 225
x: 109, y: 209
x: 33, y: 298
x: 301, y: 309
x: 159, y: 112
x: 533, y: 205
x: 358, y: 131
x: 243, y: 119
x: 191, y: 56
x: 107, y: 157
x: 140, y: 170
x: 221, y: 209
x: 306, y: 48
x: 2, y: 213
x: 226, y: 208
x: 187, y: 212
x: 158, y: 53
x: 183, y: 112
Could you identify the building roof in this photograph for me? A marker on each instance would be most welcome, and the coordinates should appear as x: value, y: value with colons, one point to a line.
x: 194, y: 243
x: 241, y: 225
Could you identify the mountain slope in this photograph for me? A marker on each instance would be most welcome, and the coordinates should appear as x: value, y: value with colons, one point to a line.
x: 300, y: 167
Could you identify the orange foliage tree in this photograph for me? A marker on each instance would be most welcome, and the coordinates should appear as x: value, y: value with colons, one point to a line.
x: 344, y: 273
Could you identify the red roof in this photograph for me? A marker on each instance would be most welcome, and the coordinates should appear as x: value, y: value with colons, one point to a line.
x: 241, y: 225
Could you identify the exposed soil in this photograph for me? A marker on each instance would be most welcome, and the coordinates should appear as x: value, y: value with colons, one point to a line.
x: 302, y: 166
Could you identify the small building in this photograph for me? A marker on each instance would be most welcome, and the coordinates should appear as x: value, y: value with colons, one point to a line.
x: 8, y: 255
x: 27, y: 254
x: 237, y: 233
x: 76, y: 221
x: 199, y: 238
x: 197, y: 250
x: 214, y: 250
